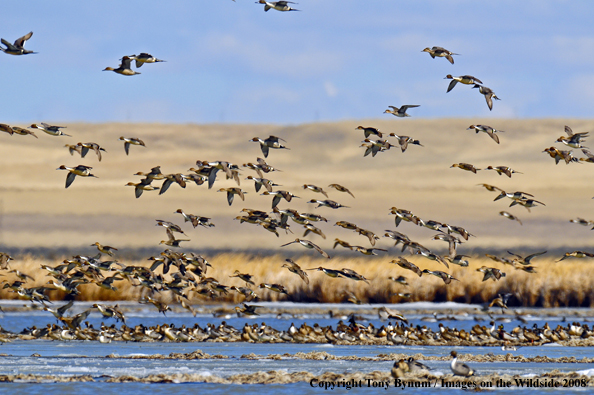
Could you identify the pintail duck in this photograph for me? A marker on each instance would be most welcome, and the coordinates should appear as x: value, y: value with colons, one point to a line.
x: 85, y: 147
x: 262, y: 166
x: 490, y: 188
x: 558, y: 155
x: 459, y: 260
x: 270, y: 142
x: 517, y: 195
x: 347, y: 225
x: 368, y: 131
x: 374, y: 146
x: 342, y: 243
x: 488, y: 93
x: 249, y: 310
x: 49, y: 129
x: 434, y: 257
x: 386, y: 314
x: 404, y: 215
x: 486, y: 129
x: 244, y: 276
x: 172, y: 241
x: 327, y: 203
x: 452, y: 241
x: 400, y: 112
x: 231, y: 192
x: 131, y: 141
x: 309, y: 228
x: 143, y: 185
x: 231, y: 170
x: 500, y: 301
x: 397, y: 237
x: 6, y: 128
x: 440, y: 53
x: 576, y: 254
x: 404, y: 141
x: 399, y: 369
x: 313, y: 217
x: 581, y: 221
x: 463, y: 79
x: 80, y: 170
x: 405, y: 264
x: 274, y: 287
x: 589, y: 157
x: 177, y: 178
x: 169, y: 226
x: 353, y: 275
x: 263, y: 182
x: 525, y: 260
x: 460, y: 369
x: 310, y: 245
x: 144, y: 58
x: 124, y: 68
x: 329, y: 272
x: 22, y: 276
x: 508, y: 171
x: 295, y: 268
x: 400, y: 280
x: 465, y: 166
x: 277, y: 5
x: 72, y: 148
x: 527, y: 203
x: 459, y: 230
x: 105, y: 249
x: 247, y: 292
x: 23, y: 132
x: 510, y: 216
x: 367, y: 251
x: 431, y: 224
x: 18, y: 48
x: 340, y: 188
x: 195, y: 220
x: 416, y: 366
x: 288, y: 196
x: 315, y: 188
x: 491, y: 273
x: 574, y: 139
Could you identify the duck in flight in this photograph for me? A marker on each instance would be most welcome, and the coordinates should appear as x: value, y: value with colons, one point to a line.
x: 440, y: 53
x: 125, y: 67
x: 18, y: 48
x: 80, y: 170
x: 400, y: 112
x: 277, y: 5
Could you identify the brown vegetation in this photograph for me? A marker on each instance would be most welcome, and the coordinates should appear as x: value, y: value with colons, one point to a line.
x: 556, y: 284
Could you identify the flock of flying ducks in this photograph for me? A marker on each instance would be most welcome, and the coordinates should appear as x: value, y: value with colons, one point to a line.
x: 190, y: 275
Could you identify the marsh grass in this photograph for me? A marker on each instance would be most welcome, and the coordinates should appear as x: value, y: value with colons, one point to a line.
x: 556, y: 284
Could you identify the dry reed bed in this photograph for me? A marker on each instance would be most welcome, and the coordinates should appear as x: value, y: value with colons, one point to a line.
x: 556, y: 284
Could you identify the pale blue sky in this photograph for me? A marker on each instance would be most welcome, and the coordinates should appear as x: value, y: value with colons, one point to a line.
x: 336, y: 59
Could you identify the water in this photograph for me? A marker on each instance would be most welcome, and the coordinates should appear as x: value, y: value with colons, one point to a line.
x: 77, y: 358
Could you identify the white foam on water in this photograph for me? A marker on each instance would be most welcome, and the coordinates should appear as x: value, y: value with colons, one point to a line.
x: 78, y: 369
x: 587, y: 372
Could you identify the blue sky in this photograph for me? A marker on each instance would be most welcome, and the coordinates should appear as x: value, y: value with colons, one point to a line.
x: 336, y: 59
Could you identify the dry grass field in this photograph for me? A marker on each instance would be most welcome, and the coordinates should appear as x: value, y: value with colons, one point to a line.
x: 36, y: 211
x: 556, y: 284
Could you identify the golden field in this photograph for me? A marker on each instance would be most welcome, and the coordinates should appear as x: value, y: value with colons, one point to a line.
x: 556, y: 284
x: 36, y: 211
